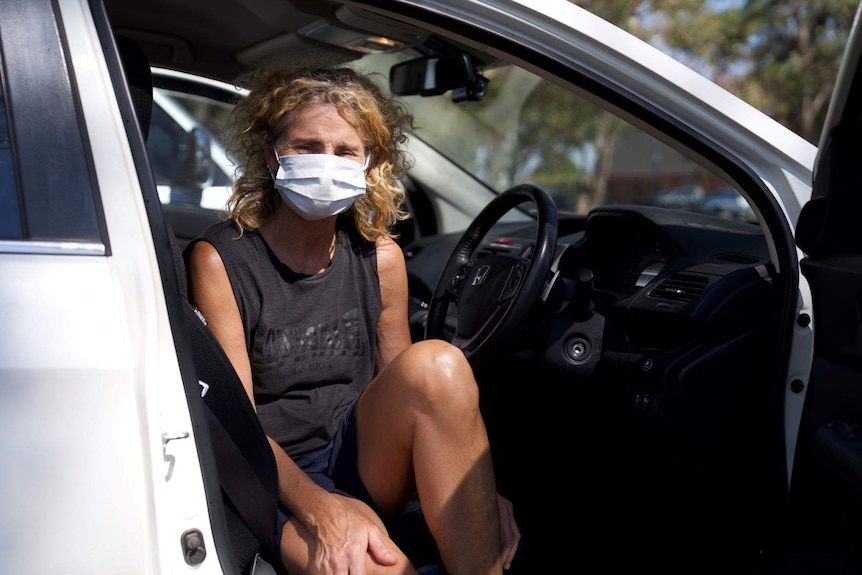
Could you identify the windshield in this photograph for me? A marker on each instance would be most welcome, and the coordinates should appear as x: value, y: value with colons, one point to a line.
x: 529, y: 130
x: 524, y: 130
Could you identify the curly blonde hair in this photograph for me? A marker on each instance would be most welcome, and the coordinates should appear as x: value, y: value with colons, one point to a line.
x: 381, y: 121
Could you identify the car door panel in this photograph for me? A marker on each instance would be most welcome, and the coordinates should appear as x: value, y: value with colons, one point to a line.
x: 99, y: 437
x: 825, y: 504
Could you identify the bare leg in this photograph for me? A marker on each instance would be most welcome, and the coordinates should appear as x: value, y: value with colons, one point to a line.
x: 419, y: 427
x: 297, y: 546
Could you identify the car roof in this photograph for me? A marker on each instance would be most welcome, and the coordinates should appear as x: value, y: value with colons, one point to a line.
x: 222, y: 39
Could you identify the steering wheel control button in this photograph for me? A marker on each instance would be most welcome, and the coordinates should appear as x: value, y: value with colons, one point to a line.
x: 578, y: 350
x: 458, y: 277
x: 516, y: 276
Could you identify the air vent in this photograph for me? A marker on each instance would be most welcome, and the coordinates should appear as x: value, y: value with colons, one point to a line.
x: 680, y: 287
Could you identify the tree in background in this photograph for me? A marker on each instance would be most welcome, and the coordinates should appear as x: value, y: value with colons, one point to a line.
x: 782, y: 56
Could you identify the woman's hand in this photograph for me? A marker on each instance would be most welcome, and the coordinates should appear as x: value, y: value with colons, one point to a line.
x: 344, y: 534
x: 509, y: 531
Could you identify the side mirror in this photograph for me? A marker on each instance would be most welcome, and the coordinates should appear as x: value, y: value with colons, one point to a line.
x: 434, y: 75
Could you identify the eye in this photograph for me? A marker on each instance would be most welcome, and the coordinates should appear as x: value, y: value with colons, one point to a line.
x: 350, y: 154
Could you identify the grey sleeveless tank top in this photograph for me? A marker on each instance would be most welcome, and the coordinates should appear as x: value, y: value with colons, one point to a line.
x: 311, y: 339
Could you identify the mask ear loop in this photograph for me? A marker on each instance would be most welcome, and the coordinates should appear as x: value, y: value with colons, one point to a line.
x: 274, y: 172
x: 368, y: 156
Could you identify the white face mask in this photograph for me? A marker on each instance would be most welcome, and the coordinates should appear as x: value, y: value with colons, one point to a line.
x: 318, y: 186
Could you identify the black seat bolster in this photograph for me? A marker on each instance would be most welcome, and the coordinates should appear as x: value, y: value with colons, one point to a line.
x: 225, y: 398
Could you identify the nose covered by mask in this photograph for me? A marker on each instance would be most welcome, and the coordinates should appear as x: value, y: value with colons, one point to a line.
x: 318, y: 186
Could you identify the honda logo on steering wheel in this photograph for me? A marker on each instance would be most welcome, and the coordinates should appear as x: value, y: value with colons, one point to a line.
x: 481, y: 276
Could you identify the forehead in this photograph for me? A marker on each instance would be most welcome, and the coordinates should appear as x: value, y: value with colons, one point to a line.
x: 320, y: 123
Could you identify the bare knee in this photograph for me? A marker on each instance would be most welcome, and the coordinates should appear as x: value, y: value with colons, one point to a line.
x: 441, y: 376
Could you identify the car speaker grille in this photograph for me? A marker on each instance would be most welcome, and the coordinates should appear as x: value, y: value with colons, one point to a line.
x: 680, y: 287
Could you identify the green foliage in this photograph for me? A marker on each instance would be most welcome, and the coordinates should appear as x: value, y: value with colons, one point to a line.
x: 782, y: 56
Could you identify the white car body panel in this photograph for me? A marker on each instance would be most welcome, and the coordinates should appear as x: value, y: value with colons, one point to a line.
x: 90, y: 389
x: 177, y: 501
x: 799, y: 369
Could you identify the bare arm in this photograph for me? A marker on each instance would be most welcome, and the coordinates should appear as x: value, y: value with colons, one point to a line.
x: 210, y: 291
x: 393, y: 331
x: 342, y: 534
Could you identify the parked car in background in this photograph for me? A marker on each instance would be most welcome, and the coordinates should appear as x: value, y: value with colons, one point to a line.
x: 668, y: 388
x: 728, y: 203
x: 685, y: 197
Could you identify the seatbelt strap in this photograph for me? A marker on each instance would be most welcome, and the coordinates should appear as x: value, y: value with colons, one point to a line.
x: 243, y: 487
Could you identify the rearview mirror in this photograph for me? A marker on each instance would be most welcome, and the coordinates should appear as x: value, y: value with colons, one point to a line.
x: 433, y: 75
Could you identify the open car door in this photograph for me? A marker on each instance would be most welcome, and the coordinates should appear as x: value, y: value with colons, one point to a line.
x: 825, y: 519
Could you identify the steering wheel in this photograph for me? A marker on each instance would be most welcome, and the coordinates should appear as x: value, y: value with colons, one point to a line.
x: 493, y: 292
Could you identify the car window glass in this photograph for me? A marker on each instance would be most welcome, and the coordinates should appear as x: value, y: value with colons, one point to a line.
x: 43, y: 147
x: 10, y: 219
x: 527, y: 129
x: 186, y: 150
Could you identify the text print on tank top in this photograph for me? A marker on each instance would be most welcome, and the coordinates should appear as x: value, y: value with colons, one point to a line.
x: 311, y: 348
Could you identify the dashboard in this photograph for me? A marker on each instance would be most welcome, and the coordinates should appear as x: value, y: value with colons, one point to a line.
x: 640, y: 295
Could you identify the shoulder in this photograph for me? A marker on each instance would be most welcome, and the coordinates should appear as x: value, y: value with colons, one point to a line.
x: 390, y: 257
x: 203, y: 256
x: 223, y: 243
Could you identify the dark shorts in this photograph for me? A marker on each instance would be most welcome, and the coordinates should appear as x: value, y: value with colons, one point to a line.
x: 333, y: 467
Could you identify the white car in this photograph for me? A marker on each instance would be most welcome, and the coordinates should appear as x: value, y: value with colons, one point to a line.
x: 666, y: 391
x: 728, y: 203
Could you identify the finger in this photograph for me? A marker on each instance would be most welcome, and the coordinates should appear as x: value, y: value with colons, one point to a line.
x: 379, y: 549
x: 357, y: 564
